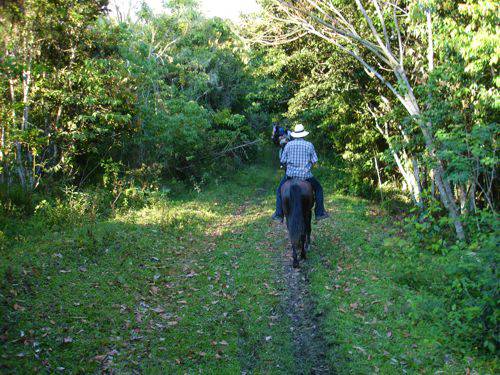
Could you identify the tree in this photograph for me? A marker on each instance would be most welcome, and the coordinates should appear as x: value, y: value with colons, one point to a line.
x: 378, y: 44
x: 40, y: 40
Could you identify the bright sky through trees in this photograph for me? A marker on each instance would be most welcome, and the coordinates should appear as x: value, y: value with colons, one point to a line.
x: 213, y: 8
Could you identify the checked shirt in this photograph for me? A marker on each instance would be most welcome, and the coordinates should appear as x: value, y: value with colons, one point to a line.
x: 299, y: 156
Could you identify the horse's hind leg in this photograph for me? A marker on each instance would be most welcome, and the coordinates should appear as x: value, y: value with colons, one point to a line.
x: 308, y: 241
x: 307, y: 237
x: 308, y: 230
x: 303, y: 247
x: 295, y: 260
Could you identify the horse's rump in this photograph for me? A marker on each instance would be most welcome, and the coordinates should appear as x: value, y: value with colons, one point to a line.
x: 306, y: 193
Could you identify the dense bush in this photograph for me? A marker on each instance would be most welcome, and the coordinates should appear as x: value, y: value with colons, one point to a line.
x: 465, y: 275
x: 168, y: 92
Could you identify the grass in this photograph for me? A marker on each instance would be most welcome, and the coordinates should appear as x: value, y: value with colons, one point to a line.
x: 178, y: 286
x: 190, y: 284
x: 380, y: 312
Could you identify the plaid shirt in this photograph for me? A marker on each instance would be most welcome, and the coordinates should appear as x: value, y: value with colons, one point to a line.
x: 299, y: 157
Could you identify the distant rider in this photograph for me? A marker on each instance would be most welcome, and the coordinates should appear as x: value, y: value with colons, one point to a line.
x: 299, y: 157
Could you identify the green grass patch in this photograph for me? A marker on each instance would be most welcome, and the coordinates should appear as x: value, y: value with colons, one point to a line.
x: 190, y: 283
x: 383, y: 309
x: 180, y: 285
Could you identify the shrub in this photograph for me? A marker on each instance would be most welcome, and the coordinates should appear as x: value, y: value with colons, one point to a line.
x: 463, y: 274
x: 474, y: 291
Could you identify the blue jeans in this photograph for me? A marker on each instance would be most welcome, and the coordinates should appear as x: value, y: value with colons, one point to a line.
x: 319, y: 208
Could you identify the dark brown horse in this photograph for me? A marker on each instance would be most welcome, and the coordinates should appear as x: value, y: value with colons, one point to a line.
x: 298, y: 200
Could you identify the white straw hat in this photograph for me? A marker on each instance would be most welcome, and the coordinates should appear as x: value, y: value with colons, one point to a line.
x: 299, y: 131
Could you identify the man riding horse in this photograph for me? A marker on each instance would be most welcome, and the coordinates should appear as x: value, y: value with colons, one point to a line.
x: 299, y: 157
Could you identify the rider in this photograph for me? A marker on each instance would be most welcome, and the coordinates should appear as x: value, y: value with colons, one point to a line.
x: 280, y: 137
x: 278, y: 134
x: 299, y: 156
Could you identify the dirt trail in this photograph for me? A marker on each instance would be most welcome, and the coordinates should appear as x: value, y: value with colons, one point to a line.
x: 309, y: 345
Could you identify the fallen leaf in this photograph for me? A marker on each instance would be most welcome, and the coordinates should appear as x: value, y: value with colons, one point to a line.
x: 359, y: 348
x: 138, y: 317
x: 18, y: 307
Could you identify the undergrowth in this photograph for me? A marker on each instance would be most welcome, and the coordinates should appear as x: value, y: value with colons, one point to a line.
x: 152, y: 280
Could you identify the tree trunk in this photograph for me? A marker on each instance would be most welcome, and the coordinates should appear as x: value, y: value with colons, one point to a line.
x: 2, y: 148
x: 379, y: 178
x: 418, y: 183
x: 411, y: 182
x: 443, y: 185
x: 28, y: 173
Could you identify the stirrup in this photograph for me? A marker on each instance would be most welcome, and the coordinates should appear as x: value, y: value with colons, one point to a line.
x: 322, y: 217
x: 277, y: 218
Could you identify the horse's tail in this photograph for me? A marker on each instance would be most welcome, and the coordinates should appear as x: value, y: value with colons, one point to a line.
x: 297, y: 224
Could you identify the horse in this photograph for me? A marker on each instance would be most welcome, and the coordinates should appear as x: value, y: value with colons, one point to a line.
x: 298, y: 200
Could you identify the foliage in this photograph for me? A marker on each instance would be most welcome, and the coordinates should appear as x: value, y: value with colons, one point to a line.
x: 386, y: 303
x: 416, y: 53
x: 55, y: 95
x: 470, y: 285
x: 170, y: 90
x: 327, y: 91
x: 191, y: 71
x: 441, y: 150
x: 102, y: 119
